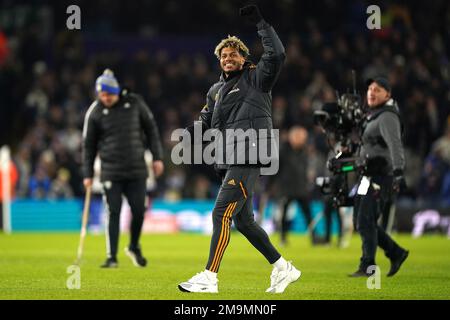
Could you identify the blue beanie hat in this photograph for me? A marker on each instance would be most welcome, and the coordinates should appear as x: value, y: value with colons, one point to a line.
x: 107, y: 82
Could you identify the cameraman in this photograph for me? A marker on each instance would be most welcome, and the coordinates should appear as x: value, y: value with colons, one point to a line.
x: 382, y: 149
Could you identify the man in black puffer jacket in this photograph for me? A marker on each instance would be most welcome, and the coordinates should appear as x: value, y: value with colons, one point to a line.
x: 119, y: 126
x: 241, y: 100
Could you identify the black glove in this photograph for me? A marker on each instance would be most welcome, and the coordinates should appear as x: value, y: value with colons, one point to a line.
x: 399, y: 183
x: 252, y: 13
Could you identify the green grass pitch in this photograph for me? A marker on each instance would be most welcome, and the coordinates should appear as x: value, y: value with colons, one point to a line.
x: 34, y: 266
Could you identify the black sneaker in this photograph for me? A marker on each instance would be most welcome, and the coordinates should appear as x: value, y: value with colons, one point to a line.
x: 136, y: 257
x: 397, y: 262
x: 110, y: 263
x: 360, y: 273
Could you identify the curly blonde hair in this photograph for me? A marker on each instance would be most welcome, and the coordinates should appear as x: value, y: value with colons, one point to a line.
x: 233, y: 42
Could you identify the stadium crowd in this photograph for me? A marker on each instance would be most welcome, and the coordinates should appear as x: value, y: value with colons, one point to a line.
x: 47, y: 76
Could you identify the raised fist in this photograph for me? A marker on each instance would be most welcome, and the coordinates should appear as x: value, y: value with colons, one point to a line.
x: 251, y: 13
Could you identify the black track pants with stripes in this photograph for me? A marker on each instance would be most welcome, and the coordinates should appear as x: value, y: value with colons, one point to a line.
x: 135, y: 192
x: 234, y: 202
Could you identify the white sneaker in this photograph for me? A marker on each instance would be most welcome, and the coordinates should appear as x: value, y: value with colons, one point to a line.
x: 201, y: 282
x: 279, y: 280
